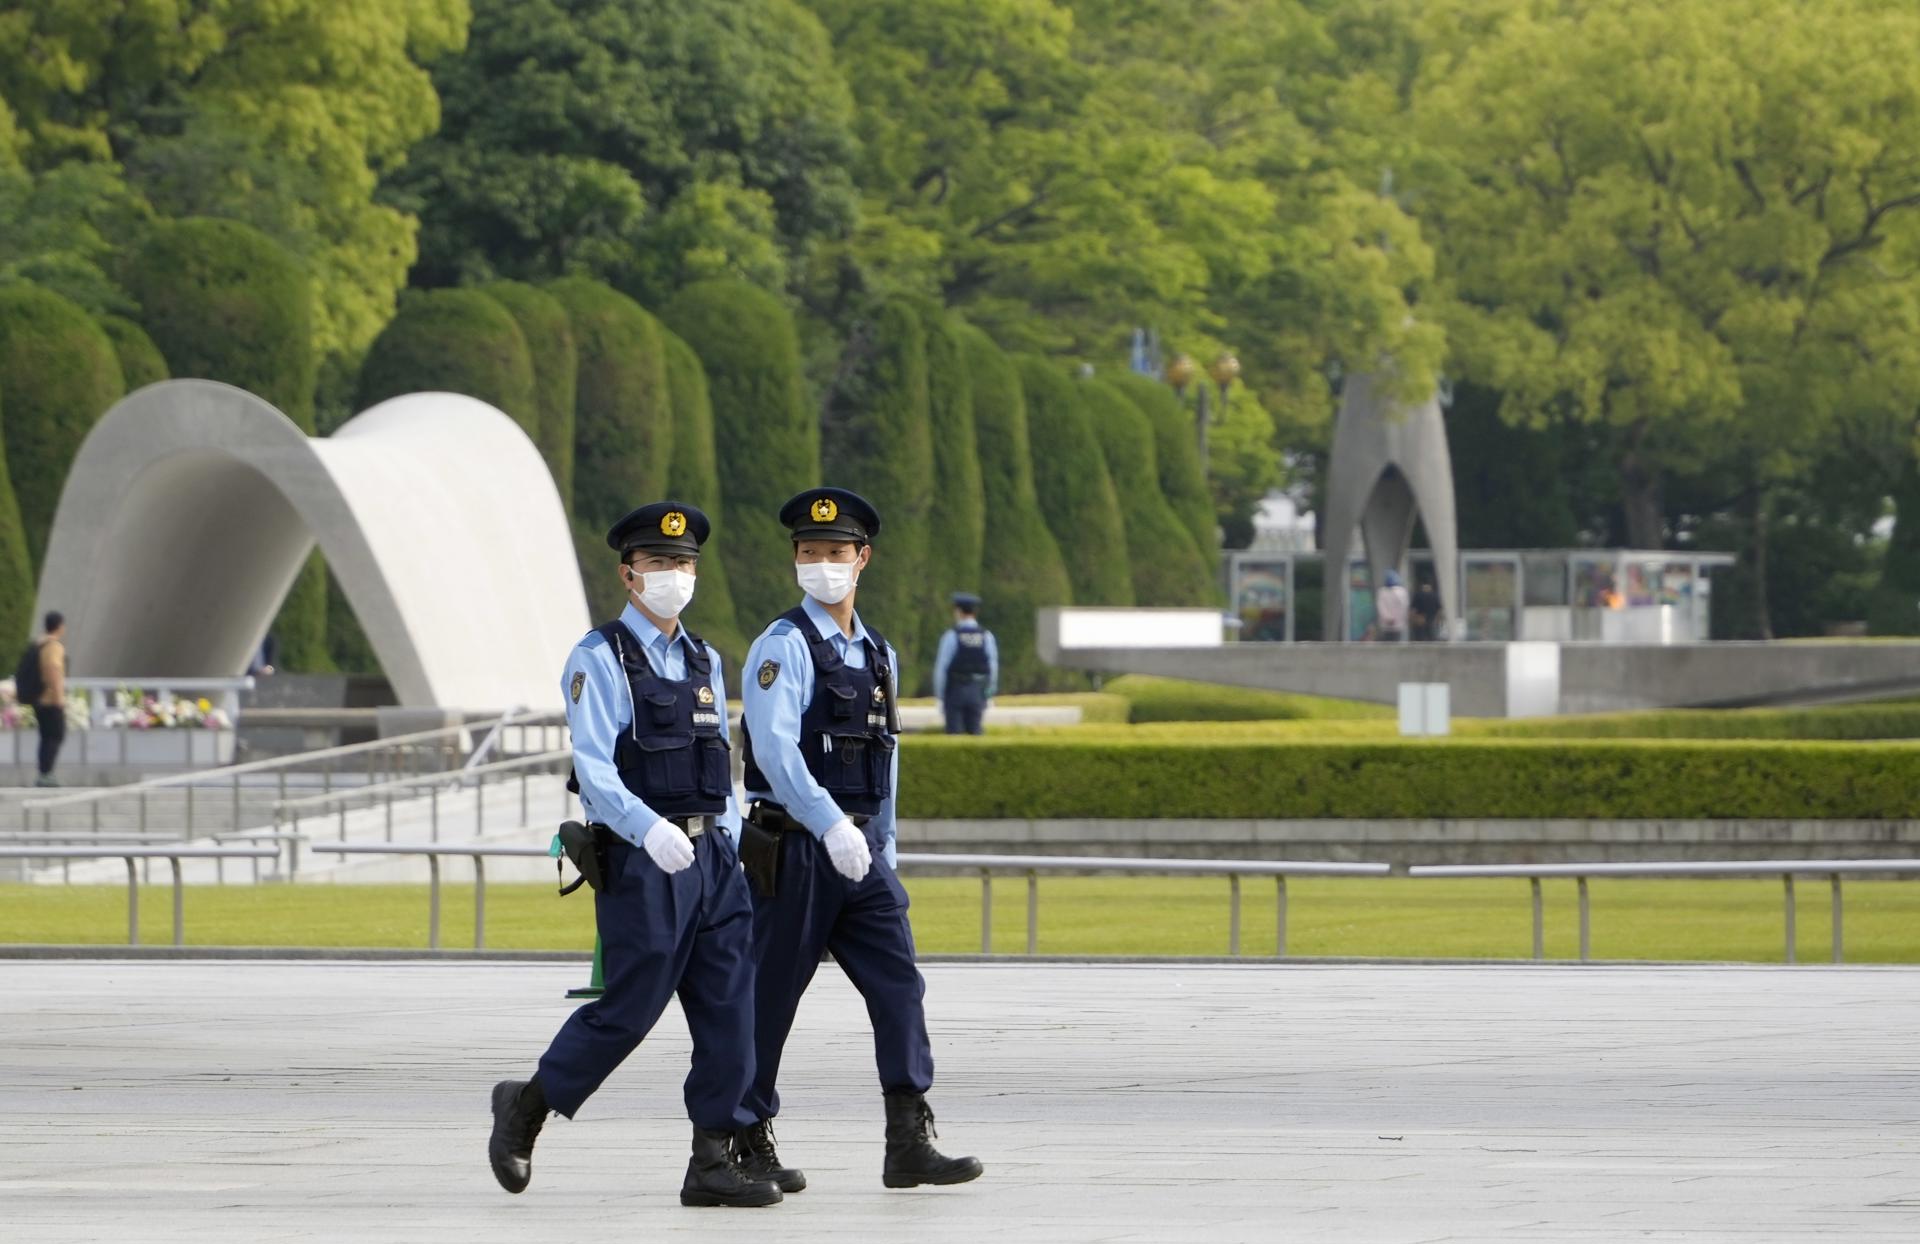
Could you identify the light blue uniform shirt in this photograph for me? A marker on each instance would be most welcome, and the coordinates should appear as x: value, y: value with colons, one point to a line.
x: 773, y: 719
x: 604, y: 708
x: 943, y: 657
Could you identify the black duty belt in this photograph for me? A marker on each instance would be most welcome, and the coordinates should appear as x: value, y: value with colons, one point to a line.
x: 774, y: 819
x: 692, y: 826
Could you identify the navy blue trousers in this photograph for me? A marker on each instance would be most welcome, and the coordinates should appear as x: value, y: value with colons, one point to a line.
x: 865, y: 926
x: 691, y: 934
x: 964, y: 706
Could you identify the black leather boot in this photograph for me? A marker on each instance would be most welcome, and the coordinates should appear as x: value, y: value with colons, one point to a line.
x: 714, y: 1178
x: 754, y: 1152
x: 519, y: 1110
x: 911, y: 1158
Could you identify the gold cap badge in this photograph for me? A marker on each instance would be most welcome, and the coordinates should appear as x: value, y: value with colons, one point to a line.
x: 825, y: 511
x: 673, y: 523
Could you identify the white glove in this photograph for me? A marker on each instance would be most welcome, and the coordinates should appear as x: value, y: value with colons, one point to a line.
x: 847, y: 847
x: 668, y: 846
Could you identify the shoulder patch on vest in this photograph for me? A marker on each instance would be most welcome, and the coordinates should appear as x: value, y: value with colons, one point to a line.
x: 769, y: 670
x: 579, y: 682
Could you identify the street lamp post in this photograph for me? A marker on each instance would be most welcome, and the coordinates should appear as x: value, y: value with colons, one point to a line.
x: 1224, y: 371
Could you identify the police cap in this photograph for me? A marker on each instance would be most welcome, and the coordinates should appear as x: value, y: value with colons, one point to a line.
x: 673, y: 528
x: 831, y: 514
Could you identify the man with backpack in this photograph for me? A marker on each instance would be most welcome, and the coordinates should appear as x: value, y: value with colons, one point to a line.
x: 40, y: 681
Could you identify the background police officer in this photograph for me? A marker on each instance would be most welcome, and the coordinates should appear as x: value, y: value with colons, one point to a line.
x: 821, y: 764
x: 648, y: 710
x: 966, y: 669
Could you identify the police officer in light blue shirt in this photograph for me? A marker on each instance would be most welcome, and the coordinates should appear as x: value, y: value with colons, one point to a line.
x: 647, y: 706
x: 822, y: 770
x: 966, y: 668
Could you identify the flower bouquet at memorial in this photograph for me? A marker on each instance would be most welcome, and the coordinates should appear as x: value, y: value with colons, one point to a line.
x: 133, y: 709
x: 17, y: 716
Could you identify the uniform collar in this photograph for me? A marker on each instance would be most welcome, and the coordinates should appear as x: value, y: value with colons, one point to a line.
x: 649, y: 635
x: 829, y: 629
x: 967, y: 624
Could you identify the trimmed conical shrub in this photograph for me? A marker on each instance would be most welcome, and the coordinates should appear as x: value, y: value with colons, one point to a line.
x: 1177, y: 455
x: 58, y: 375
x: 452, y: 341
x: 875, y: 438
x: 1167, y: 568
x: 622, y: 416
x: 957, y: 521
x: 556, y: 364
x: 765, y: 433
x: 1070, y: 478
x: 1021, y: 570
x: 694, y: 477
x: 141, y: 362
x: 225, y: 302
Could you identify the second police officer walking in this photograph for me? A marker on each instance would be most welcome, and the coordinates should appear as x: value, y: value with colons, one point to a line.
x: 648, y: 712
x: 966, y: 669
x: 819, y: 730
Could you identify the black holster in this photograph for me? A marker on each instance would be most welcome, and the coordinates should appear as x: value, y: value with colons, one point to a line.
x: 761, y: 834
x: 584, y: 845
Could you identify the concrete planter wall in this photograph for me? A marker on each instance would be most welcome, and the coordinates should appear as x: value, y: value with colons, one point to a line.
x: 184, y: 748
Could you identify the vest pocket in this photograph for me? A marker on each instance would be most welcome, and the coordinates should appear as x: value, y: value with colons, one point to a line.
x: 842, y: 701
x: 879, y: 761
x: 667, y: 766
x: 663, y: 708
x: 715, y: 778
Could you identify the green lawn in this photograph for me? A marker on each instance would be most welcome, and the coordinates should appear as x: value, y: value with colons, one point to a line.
x: 1730, y: 920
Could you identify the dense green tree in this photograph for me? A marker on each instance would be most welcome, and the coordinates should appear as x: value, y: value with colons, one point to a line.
x: 225, y: 302
x: 58, y: 375
x: 649, y: 145
x: 1168, y: 567
x: 694, y: 477
x: 1021, y: 568
x: 766, y: 434
x: 141, y: 362
x: 622, y: 415
x: 556, y: 366
x: 275, y: 112
x: 453, y: 341
x: 1070, y: 478
x: 1176, y: 452
x: 876, y: 438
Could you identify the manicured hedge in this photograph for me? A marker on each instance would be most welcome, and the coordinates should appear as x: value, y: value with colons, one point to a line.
x: 876, y: 438
x: 141, y: 362
x: 1894, y: 719
x: 1050, y: 776
x: 1177, y: 456
x: 1070, y: 479
x: 957, y: 522
x: 1153, y: 699
x: 58, y: 375
x: 556, y: 363
x: 694, y: 477
x: 452, y: 341
x: 622, y: 416
x: 1168, y: 567
x: 765, y: 433
x: 1021, y: 570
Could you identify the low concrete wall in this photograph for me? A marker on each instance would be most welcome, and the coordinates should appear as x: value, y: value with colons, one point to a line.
x: 1410, y: 842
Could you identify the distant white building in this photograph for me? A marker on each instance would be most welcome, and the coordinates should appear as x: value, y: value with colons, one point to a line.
x: 1280, y: 525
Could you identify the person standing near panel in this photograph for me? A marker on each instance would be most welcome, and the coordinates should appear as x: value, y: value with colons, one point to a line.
x: 820, y: 721
x: 647, y: 706
x: 966, y: 669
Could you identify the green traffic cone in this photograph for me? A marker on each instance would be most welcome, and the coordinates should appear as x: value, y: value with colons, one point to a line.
x: 598, y: 984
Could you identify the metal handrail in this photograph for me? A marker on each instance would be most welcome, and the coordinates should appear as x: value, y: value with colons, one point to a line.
x: 1786, y: 870
x: 486, y: 744
x: 341, y: 802
x: 226, y: 772
x: 173, y: 855
x: 1233, y: 870
x: 451, y: 777
x: 1279, y: 870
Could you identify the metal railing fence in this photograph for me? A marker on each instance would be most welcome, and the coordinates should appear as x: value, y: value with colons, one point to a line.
x: 132, y: 854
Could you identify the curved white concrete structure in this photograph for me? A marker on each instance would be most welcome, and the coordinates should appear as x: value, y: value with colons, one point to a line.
x: 192, y: 506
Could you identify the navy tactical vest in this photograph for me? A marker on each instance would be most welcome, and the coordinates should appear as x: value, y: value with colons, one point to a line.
x: 969, y: 654
x: 846, y: 737
x: 671, y: 754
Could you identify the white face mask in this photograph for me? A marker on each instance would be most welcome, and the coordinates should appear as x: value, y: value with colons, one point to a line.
x: 665, y: 592
x: 826, y: 582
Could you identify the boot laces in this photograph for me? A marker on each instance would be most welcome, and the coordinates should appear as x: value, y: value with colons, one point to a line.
x: 526, y: 1125
x: 924, y: 1123
x: 760, y: 1143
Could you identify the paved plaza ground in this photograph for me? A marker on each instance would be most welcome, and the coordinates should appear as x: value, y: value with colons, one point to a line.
x: 259, y: 1101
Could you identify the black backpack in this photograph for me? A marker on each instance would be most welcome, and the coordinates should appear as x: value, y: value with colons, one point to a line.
x: 28, y: 686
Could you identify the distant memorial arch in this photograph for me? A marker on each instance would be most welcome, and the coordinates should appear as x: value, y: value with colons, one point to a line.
x: 1390, y: 466
x: 193, y: 505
